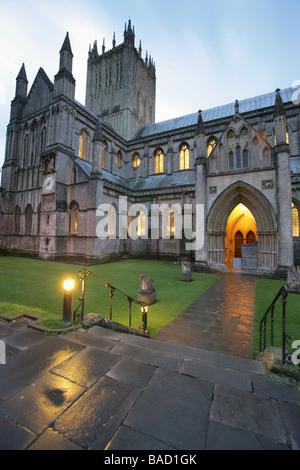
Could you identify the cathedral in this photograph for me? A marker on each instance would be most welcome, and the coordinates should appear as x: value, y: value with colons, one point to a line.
x: 82, y: 183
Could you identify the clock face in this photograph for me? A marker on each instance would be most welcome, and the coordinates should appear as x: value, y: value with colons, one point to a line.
x: 48, y: 184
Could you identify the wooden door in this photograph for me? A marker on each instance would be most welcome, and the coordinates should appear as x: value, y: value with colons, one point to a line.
x: 238, y: 244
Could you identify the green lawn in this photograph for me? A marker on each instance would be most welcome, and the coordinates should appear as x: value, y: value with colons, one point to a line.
x: 266, y: 291
x: 36, y: 286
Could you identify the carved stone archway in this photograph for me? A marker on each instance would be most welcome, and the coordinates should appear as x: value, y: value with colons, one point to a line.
x: 256, y: 202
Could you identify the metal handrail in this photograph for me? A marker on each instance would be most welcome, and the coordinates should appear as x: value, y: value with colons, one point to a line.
x: 283, y: 293
x: 84, y: 274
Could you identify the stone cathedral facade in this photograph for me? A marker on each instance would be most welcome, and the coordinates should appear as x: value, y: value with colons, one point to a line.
x: 64, y: 160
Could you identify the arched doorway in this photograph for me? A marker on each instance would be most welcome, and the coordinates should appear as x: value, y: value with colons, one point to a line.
x: 250, y: 238
x: 238, y: 241
x: 240, y: 229
x: 266, y: 226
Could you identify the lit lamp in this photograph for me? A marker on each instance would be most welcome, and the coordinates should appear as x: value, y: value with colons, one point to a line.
x: 67, y: 306
x: 144, y: 309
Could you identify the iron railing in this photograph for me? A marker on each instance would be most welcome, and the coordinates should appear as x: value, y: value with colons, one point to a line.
x: 79, y: 311
x: 283, y: 293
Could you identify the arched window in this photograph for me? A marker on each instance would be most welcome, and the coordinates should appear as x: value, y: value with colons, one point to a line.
x: 211, y: 145
x: 38, y: 215
x: 119, y: 159
x: 245, y: 158
x: 17, y: 219
x: 43, y: 139
x: 250, y: 239
x: 28, y: 219
x: 231, y: 160
x: 171, y: 224
x: 295, y: 217
x: 137, y: 225
x: 159, y: 161
x: 73, y: 212
x: 142, y: 224
x: 83, y: 145
x: 184, y: 157
x: 25, y: 148
x: 136, y: 161
x: 104, y: 155
x: 238, y: 157
x: 111, y: 223
x: 33, y: 144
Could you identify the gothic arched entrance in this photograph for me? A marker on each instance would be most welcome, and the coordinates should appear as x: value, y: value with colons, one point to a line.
x: 240, y: 229
x: 265, y: 231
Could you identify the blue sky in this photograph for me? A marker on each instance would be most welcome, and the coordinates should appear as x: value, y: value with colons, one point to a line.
x: 207, y: 53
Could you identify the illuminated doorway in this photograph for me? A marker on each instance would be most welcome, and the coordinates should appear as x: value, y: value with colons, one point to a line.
x: 240, y: 229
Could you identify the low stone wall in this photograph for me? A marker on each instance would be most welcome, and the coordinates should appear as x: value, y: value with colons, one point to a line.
x: 93, y: 319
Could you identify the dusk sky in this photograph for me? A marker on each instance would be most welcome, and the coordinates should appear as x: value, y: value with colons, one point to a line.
x: 207, y: 53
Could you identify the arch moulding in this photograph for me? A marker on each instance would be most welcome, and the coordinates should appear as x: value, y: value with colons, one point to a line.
x: 257, y: 203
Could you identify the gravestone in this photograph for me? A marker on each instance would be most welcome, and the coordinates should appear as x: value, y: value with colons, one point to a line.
x: 186, y: 273
x: 293, y: 281
x: 147, y: 292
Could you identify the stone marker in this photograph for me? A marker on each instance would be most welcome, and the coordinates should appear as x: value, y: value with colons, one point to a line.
x: 147, y: 292
x: 293, y: 281
x: 186, y: 273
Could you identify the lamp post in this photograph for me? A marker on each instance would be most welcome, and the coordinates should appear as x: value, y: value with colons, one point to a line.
x: 67, y: 304
x: 144, y: 309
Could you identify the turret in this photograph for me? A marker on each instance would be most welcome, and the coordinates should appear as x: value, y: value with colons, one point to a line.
x: 280, y: 121
x: 19, y: 100
x: 22, y: 83
x: 64, y: 82
x: 66, y: 55
x: 284, y: 188
x: 236, y: 107
x: 200, y: 193
x: 129, y: 35
x: 200, y: 138
x: 97, y: 162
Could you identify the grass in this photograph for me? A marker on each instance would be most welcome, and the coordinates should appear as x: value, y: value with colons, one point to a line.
x: 36, y: 286
x: 266, y: 291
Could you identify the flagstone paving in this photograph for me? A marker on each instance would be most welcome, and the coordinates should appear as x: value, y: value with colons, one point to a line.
x: 220, y: 320
x: 101, y: 389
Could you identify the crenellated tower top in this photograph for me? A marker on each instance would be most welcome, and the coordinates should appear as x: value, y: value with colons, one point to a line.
x: 121, y: 85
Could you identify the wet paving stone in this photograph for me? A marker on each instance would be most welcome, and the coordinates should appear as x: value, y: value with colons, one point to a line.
x: 13, y: 436
x: 248, y: 412
x: 28, y: 365
x: 221, y: 319
x: 181, y: 403
x: 86, y: 367
x: 37, y: 405
x: 93, y: 420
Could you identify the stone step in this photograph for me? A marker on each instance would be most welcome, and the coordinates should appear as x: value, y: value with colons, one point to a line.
x: 144, y: 349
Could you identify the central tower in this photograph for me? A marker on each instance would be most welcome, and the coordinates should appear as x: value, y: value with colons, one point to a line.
x: 121, y: 85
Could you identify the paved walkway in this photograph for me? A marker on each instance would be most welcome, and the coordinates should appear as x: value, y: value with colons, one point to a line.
x: 100, y: 389
x: 220, y: 320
